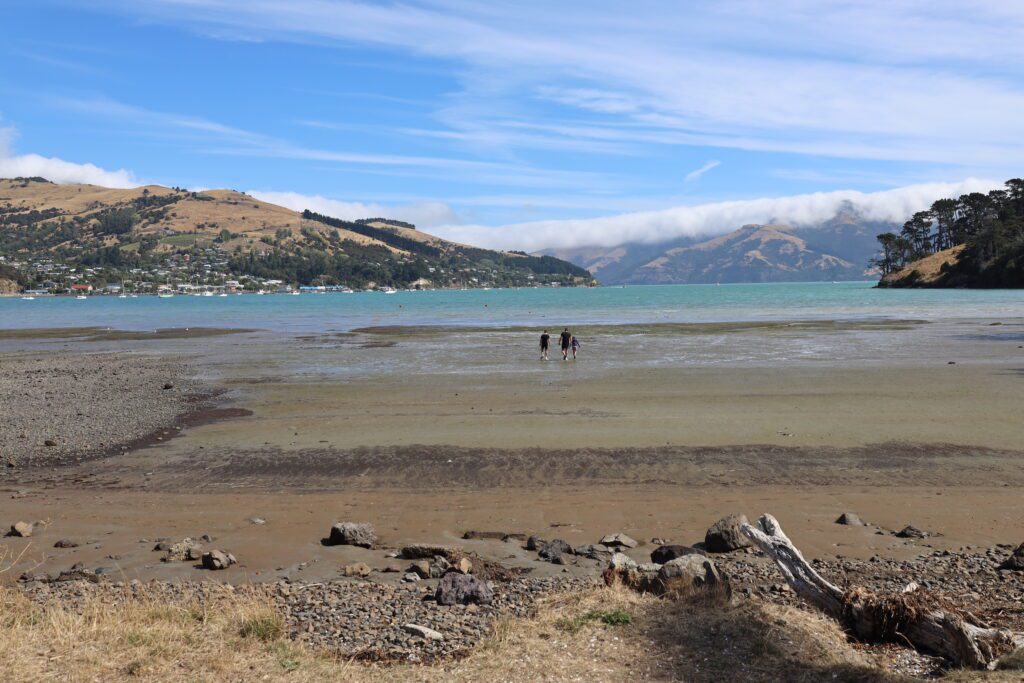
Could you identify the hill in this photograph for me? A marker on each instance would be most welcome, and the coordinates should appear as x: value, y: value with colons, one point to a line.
x: 838, y: 249
x: 930, y: 271
x: 55, y: 234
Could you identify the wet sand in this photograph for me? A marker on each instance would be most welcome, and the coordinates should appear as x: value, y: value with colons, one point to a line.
x: 427, y: 446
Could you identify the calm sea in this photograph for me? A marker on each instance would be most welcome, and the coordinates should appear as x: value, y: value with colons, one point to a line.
x: 669, y: 303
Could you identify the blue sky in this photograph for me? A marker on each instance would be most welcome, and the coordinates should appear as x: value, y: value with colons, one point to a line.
x: 522, y: 124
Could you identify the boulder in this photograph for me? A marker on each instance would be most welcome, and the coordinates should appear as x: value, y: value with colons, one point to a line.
x: 422, y: 632
x: 1015, y: 562
x: 689, y: 571
x: 622, y: 561
x: 594, y: 551
x: 552, y: 550
x: 357, y: 569
x: 725, y: 536
x: 392, y: 569
x: 351, y: 533
x: 463, y: 589
x: 463, y: 566
x: 534, y: 543
x: 618, y: 540
x: 421, y: 568
x: 911, y: 531
x: 426, y: 551
x: 185, y: 549
x: 411, y: 578
x: 21, y: 529
x: 438, y: 567
x: 667, y: 553
x: 849, y: 519
x: 217, y: 559
x: 65, y: 543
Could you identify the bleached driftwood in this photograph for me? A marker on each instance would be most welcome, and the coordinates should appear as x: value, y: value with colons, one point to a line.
x: 926, y: 621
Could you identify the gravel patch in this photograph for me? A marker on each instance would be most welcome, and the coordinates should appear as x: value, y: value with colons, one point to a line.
x: 64, y: 409
x: 354, y: 619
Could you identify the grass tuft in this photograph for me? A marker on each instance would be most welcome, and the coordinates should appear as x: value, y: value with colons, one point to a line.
x: 264, y: 627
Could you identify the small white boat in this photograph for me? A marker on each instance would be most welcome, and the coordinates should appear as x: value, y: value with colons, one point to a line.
x: 295, y: 293
x: 207, y: 293
x: 165, y: 296
x: 222, y: 294
x: 28, y: 298
x: 80, y: 296
x: 261, y: 292
x: 123, y: 296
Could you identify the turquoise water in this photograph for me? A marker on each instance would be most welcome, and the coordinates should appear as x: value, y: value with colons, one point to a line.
x: 666, y: 303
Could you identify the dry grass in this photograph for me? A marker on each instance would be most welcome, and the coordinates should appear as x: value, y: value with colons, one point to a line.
x: 601, y: 635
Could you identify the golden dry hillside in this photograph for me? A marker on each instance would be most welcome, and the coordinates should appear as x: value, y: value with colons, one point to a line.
x: 176, y: 217
x: 60, y: 235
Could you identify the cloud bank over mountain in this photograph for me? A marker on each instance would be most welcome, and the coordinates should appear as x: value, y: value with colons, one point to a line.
x: 708, y: 220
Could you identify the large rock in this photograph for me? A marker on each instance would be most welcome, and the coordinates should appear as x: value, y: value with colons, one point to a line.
x: 427, y: 551
x: 217, y: 559
x: 553, y: 550
x: 689, y: 571
x: 420, y: 568
x: 911, y: 531
x: 667, y: 553
x: 351, y: 533
x: 725, y: 536
x: 1015, y: 562
x: 463, y: 589
x: 618, y: 540
x: 622, y: 561
x: 594, y: 551
x: 184, y: 550
x: 849, y: 519
x: 21, y: 529
x: 535, y: 543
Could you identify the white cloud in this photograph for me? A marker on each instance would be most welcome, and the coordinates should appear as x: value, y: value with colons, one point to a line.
x: 707, y: 220
x: 421, y: 214
x: 696, y: 173
x: 60, y: 171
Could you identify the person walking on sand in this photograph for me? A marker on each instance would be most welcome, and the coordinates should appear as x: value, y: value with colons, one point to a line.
x: 544, y: 341
x: 566, y: 340
x: 575, y: 346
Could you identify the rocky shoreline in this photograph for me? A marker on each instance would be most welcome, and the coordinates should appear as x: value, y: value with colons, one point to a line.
x: 431, y: 603
x: 65, y: 409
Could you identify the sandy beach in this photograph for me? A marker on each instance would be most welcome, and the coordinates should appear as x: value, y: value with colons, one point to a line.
x: 597, y: 446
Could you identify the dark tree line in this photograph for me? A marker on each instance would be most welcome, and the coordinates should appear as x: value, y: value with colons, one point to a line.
x: 990, y: 226
x: 385, y: 236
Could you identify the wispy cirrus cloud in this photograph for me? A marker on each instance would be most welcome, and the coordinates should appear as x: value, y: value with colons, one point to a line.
x: 696, y: 173
x: 212, y: 137
x: 872, y: 80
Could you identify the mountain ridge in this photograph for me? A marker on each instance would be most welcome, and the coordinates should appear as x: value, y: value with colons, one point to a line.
x: 840, y: 248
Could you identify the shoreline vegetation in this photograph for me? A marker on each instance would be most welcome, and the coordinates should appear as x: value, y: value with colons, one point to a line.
x: 975, y: 240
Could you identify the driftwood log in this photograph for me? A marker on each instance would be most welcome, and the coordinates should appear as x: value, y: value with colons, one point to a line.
x: 926, y: 621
